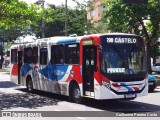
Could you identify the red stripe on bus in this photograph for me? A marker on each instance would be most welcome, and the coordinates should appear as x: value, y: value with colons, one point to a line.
x: 136, y: 88
x: 14, y: 70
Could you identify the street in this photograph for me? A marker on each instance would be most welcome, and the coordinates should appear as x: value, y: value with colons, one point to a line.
x: 15, y: 98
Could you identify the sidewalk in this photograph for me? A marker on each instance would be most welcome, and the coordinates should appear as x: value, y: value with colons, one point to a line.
x: 5, y: 70
x: 4, y: 74
x: 5, y: 81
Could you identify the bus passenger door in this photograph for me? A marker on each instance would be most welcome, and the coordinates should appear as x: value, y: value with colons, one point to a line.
x: 43, y: 69
x: 19, y: 66
x: 89, y: 66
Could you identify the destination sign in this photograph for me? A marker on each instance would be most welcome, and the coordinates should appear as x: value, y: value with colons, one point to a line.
x: 88, y: 42
x: 121, y: 40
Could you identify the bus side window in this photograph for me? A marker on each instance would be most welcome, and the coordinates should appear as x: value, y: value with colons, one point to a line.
x: 72, y: 53
x: 43, y: 56
x: 28, y: 55
x: 14, y: 56
x: 57, y: 54
x: 61, y: 54
x: 35, y: 55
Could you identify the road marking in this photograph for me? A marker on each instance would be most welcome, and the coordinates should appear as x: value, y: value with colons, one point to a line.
x: 57, y: 110
x: 81, y: 118
x: 76, y: 107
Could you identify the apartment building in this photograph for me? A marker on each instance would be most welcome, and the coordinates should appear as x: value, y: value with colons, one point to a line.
x: 95, y: 11
x: 94, y: 15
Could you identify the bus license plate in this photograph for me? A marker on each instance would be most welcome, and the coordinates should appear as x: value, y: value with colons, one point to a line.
x: 150, y: 83
x: 130, y: 95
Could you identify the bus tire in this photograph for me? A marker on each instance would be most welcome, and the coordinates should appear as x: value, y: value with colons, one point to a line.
x: 29, y: 84
x: 76, y: 93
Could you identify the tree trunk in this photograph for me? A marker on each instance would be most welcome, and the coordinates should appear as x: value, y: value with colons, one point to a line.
x: 1, y: 60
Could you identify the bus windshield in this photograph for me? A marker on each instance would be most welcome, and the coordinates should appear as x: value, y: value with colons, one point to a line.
x: 122, y: 57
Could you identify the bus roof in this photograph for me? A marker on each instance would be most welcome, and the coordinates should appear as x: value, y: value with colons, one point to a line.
x: 16, y: 46
x: 102, y: 34
x: 63, y: 40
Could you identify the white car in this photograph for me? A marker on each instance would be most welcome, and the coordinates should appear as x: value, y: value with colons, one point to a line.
x: 155, y: 67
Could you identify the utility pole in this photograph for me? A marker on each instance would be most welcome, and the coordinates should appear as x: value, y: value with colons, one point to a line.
x: 66, y: 18
x: 41, y: 2
x: 43, y: 22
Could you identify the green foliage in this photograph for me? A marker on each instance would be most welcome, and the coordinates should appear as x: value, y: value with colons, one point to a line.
x: 17, y: 14
x: 76, y: 21
x: 15, y: 17
x: 7, y: 47
x: 126, y: 17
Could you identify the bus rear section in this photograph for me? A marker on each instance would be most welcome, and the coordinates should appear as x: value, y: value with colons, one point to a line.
x: 15, y: 63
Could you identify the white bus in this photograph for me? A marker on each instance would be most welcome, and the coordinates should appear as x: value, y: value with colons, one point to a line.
x: 101, y: 66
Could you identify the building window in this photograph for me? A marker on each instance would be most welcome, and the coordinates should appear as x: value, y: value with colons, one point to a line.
x: 43, y: 56
x: 57, y: 54
x: 14, y: 56
x: 72, y: 53
x: 35, y: 55
x: 100, y: 10
x: 92, y: 13
x: 28, y: 55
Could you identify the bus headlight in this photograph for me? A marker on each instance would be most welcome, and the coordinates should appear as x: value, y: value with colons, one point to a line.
x: 141, y: 86
x: 106, y: 84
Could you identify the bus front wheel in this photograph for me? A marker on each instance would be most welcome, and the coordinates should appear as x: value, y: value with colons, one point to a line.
x: 76, y: 94
x: 29, y: 85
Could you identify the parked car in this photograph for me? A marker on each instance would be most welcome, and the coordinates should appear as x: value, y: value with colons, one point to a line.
x: 156, y: 67
x: 152, y: 82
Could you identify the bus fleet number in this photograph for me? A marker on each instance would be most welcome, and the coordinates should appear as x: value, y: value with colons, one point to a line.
x: 109, y: 40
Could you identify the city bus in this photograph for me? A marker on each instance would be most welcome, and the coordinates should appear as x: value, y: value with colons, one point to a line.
x: 98, y: 66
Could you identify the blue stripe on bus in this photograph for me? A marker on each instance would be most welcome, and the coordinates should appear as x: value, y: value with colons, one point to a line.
x: 128, y: 88
x: 25, y: 69
x: 54, y: 72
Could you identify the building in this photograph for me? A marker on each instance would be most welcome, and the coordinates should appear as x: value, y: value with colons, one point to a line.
x: 95, y: 11
x: 94, y: 15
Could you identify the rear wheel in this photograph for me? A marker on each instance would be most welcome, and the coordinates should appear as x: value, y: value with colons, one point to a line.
x: 29, y: 85
x: 76, y: 94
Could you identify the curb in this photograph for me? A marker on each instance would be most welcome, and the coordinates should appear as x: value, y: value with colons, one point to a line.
x: 158, y: 87
x: 4, y: 71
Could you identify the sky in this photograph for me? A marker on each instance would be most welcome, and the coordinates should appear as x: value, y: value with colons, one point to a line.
x: 57, y: 2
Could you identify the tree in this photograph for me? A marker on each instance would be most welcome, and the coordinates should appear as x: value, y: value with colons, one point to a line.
x: 15, y: 17
x: 123, y: 17
x: 76, y: 21
x: 17, y: 14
